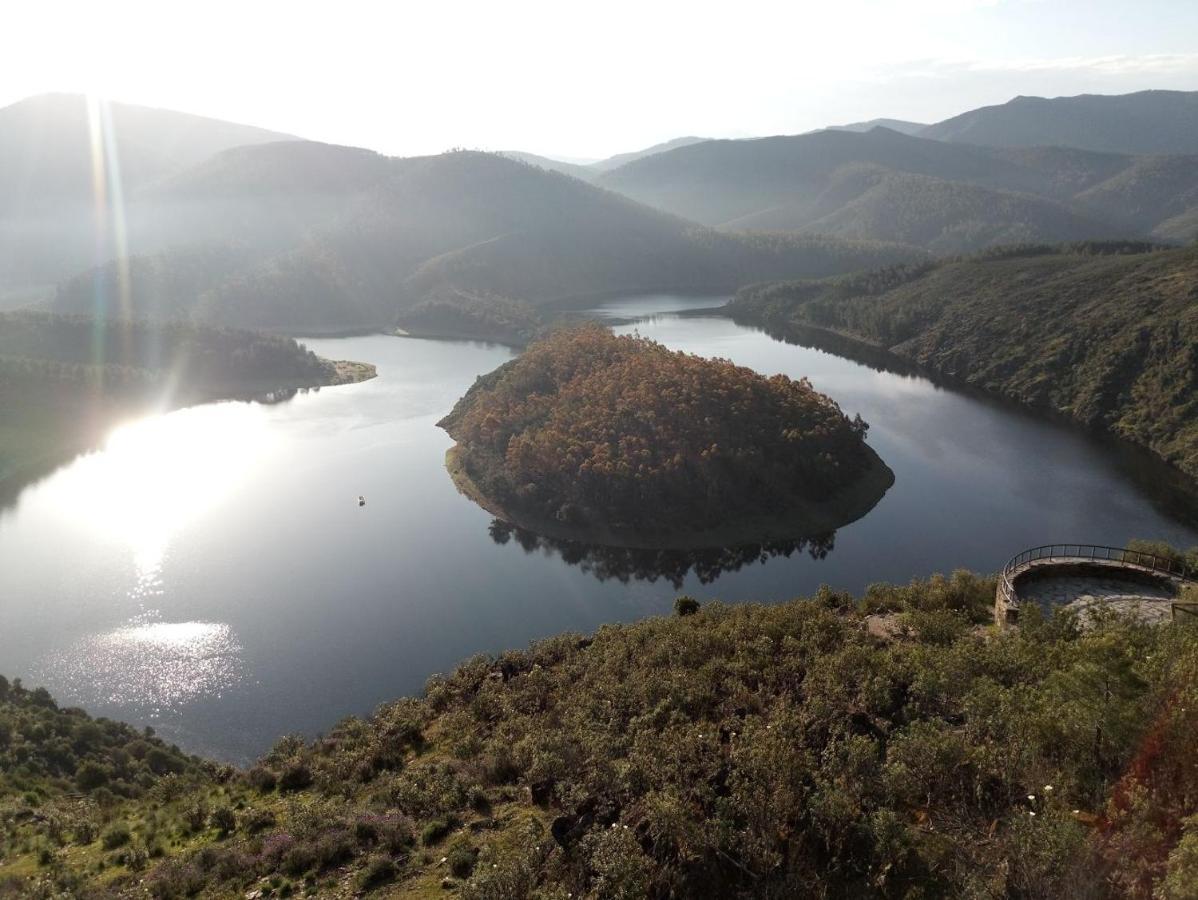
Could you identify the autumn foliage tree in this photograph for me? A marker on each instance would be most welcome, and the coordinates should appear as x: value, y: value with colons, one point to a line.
x: 587, y: 427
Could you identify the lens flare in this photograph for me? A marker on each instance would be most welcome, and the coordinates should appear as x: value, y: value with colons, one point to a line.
x: 111, y: 231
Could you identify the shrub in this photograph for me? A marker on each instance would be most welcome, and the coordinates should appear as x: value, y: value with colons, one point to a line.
x: 461, y: 858
x: 262, y: 779
x: 379, y: 870
x: 224, y: 820
x: 686, y: 605
x: 116, y: 835
x: 90, y: 776
x: 296, y: 776
x: 195, y: 817
x: 162, y: 763
x: 436, y: 830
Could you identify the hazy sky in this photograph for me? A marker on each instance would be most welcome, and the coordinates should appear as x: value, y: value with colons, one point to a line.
x: 587, y: 80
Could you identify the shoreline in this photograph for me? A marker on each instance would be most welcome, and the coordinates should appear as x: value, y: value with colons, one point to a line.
x: 861, y: 350
x: 812, y: 519
x: 66, y: 442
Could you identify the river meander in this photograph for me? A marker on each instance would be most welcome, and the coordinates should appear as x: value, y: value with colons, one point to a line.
x: 210, y: 573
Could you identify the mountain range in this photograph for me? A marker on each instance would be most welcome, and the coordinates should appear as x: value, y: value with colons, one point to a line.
x: 367, y: 236
x: 946, y: 197
x: 229, y: 224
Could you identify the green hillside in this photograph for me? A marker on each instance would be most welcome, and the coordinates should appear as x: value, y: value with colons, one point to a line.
x: 799, y: 749
x: 1106, y: 338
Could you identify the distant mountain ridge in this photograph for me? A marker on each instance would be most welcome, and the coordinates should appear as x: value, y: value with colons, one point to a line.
x: 947, y: 197
x: 48, y: 194
x: 591, y: 171
x: 228, y: 224
x: 1146, y: 122
x: 46, y: 146
x: 900, y: 125
x: 401, y: 230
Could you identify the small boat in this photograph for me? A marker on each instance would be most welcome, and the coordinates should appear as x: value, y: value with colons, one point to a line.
x: 361, y: 500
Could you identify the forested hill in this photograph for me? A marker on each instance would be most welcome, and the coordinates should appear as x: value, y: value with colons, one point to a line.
x: 197, y: 357
x: 1148, y: 122
x: 64, y: 380
x: 742, y: 751
x: 1105, y: 337
x: 878, y: 185
x: 617, y: 440
x: 475, y: 222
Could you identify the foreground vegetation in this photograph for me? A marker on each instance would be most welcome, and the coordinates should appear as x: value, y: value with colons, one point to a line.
x: 620, y: 440
x: 1105, y: 333
x: 65, y: 379
x: 728, y: 751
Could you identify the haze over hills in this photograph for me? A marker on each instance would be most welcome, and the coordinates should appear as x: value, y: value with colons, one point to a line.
x: 859, y: 184
x: 46, y: 143
x: 577, y: 170
x: 473, y: 221
x: 900, y: 125
x: 48, y: 192
x: 231, y: 224
x: 1148, y: 122
x: 591, y: 171
x: 614, y: 162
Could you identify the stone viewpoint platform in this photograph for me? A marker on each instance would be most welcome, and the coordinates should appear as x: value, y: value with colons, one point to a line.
x: 1089, y: 577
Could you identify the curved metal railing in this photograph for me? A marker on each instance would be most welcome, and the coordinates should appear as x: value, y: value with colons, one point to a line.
x: 1138, y: 560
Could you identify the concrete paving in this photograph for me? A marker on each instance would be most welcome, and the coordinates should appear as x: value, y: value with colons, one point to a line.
x: 1086, y: 593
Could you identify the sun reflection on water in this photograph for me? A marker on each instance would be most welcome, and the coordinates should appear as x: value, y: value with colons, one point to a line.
x: 154, y: 665
x: 153, y: 478
x: 157, y: 475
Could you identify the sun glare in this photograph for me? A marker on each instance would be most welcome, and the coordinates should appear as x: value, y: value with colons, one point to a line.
x: 158, y: 475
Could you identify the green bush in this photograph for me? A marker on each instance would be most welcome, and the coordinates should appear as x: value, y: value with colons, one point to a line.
x: 379, y: 870
x: 685, y: 605
x: 116, y: 835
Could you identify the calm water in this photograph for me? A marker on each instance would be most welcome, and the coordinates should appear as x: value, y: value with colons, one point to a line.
x: 209, y: 572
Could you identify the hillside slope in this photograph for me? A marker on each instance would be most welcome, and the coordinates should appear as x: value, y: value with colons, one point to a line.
x: 52, y: 223
x: 828, y: 181
x: 46, y: 147
x: 1106, y: 338
x: 470, y: 221
x: 729, y: 751
x: 1148, y: 122
x: 944, y: 216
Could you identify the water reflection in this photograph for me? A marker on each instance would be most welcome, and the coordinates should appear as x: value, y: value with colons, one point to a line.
x: 159, y: 474
x: 1169, y: 489
x: 626, y: 564
x: 154, y: 665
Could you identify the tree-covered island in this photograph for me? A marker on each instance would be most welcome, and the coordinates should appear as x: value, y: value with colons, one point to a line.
x: 618, y: 440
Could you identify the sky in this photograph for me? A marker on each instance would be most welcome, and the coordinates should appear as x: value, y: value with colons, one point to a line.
x: 586, y: 80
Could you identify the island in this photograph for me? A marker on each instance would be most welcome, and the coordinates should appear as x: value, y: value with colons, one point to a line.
x: 619, y: 441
